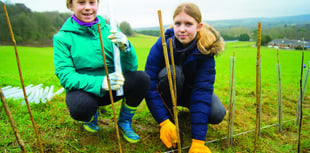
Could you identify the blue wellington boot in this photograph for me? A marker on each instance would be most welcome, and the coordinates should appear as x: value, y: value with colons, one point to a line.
x: 92, y: 125
x: 124, y: 123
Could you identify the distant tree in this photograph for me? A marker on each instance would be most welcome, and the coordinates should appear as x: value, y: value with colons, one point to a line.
x: 155, y: 33
x: 229, y: 37
x: 125, y: 28
x: 57, y: 19
x: 44, y: 26
x: 23, y: 28
x: 244, y: 37
x: 266, y: 39
x: 301, y: 32
x: 254, y: 34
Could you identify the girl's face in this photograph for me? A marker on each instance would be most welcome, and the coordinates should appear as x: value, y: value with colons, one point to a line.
x: 85, y: 10
x: 185, y: 28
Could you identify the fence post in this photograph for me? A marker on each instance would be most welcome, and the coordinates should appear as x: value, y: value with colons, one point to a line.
x: 258, y: 88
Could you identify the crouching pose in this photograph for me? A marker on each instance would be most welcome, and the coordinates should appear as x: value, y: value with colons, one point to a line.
x: 79, y: 66
x: 194, y: 45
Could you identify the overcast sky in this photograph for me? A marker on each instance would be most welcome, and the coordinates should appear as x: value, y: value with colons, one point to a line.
x: 141, y: 13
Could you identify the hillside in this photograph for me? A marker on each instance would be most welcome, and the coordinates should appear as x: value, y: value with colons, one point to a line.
x: 252, y: 22
x: 266, y: 22
x: 290, y: 27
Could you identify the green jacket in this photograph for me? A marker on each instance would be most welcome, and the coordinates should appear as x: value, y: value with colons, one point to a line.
x: 78, y: 58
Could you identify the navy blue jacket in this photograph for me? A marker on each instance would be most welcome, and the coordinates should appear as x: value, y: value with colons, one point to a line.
x: 199, y: 72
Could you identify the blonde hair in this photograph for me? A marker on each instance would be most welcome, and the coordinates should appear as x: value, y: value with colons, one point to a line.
x: 69, y: 3
x: 207, y: 36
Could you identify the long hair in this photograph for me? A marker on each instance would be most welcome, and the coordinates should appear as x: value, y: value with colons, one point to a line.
x: 207, y: 36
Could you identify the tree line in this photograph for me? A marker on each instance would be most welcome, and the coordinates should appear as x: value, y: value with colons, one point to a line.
x: 241, y: 33
x: 30, y: 27
x: 294, y: 32
x: 39, y: 27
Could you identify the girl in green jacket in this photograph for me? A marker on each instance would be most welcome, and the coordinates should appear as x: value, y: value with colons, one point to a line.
x: 79, y: 66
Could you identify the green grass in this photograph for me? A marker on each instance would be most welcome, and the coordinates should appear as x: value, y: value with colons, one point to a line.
x: 36, y: 66
x: 60, y: 133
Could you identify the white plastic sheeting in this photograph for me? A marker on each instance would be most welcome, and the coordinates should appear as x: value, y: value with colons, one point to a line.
x: 35, y: 94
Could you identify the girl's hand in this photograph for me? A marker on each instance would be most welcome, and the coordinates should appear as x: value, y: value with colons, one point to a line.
x: 198, y: 146
x: 116, y: 81
x: 168, y: 133
x: 120, y: 39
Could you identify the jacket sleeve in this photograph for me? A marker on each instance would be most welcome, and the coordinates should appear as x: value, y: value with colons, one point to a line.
x: 64, y: 69
x: 129, y: 60
x: 153, y: 65
x: 201, y: 98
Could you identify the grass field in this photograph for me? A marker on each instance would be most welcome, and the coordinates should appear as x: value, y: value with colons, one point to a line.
x: 60, y: 133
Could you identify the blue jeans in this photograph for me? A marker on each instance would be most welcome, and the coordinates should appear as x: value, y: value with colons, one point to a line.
x: 217, y: 112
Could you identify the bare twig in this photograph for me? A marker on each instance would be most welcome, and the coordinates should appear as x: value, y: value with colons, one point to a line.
x: 13, y: 125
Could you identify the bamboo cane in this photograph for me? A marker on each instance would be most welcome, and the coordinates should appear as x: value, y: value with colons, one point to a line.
x: 110, y: 90
x: 258, y: 88
x: 173, y: 69
x: 279, y: 94
x: 231, y: 104
x: 301, y: 99
x: 170, y: 80
x: 21, y: 77
x: 13, y: 125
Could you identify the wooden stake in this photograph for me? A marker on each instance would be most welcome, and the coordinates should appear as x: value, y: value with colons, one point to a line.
x: 231, y: 104
x: 13, y: 125
x: 258, y: 88
x: 279, y: 93
x: 173, y: 69
x: 110, y: 90
x: 174, y: 103
x: 21, y: 77
x: 301, y: 93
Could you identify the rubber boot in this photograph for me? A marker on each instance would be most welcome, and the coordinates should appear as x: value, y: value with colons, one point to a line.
x: 124, y: 123
x: 92, y: 125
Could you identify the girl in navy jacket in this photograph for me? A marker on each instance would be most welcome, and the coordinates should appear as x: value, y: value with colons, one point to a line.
x: 194, y: 45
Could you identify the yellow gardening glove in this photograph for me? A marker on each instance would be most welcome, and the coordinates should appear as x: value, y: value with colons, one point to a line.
x: 168, y: 133
x: 198, y: 146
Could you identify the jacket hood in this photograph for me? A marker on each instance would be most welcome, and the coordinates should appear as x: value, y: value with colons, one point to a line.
x: 219, y: 45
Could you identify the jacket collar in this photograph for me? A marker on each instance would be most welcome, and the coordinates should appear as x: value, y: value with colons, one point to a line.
x: 72, y: 26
